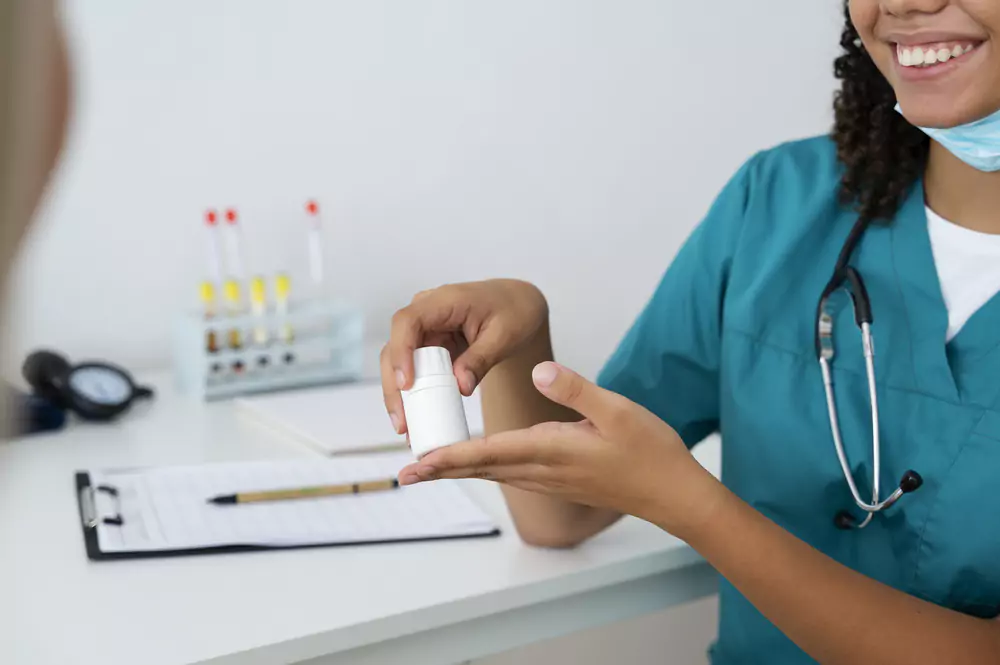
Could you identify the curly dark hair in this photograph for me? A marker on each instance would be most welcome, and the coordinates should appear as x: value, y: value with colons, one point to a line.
x: 883, y: 154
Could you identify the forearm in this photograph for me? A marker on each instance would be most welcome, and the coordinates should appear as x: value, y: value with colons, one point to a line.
x: 511, y: 402
x: 835, y: 614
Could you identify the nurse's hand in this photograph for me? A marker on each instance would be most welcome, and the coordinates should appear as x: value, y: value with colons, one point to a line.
x: 480, y: 323
x: 620, y: 457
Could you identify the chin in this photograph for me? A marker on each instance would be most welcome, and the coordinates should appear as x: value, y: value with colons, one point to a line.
x: 942, y: 113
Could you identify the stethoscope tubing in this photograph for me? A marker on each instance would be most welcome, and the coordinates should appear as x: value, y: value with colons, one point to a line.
x: 846, y: 276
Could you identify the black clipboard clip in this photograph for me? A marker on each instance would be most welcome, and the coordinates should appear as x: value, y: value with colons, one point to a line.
x: 88, y: 506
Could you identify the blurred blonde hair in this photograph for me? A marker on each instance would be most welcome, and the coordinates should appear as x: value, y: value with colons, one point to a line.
x: 34, y: 91
x: 6, y: 164
x: 34, y: 99
x: 7, y: 54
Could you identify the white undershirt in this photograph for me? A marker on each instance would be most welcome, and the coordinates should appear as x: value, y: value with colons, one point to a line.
x: 968, y: 266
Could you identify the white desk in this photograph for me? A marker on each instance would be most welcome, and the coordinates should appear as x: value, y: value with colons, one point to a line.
x: 434, y: 603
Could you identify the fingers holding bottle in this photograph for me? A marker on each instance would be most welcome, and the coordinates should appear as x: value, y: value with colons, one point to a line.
x: 480, y: 323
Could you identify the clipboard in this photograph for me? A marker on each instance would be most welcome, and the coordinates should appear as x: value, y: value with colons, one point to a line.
x: 141, y: 517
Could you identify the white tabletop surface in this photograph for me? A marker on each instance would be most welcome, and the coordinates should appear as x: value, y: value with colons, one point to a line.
x: 60, y: 608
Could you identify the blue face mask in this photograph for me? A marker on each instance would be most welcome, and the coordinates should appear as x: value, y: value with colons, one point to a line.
x: 977, y: 143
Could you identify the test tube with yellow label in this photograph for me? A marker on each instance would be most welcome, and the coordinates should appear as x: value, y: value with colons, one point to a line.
x: 258, y: 305
x: 282, y: 287
x: 232, y: 291
x: 208, y: 301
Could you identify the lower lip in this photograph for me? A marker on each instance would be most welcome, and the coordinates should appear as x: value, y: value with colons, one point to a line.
x: 937, y: 71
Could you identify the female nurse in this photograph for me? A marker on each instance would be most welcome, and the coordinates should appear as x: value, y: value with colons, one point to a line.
x: 730, y: 343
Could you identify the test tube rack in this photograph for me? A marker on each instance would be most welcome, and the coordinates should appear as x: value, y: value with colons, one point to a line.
x: 314, y: 342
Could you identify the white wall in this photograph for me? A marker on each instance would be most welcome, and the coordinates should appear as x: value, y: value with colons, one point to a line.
x: 571, y: 142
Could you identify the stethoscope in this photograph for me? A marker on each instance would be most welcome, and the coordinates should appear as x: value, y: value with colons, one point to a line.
x: 844, y: 276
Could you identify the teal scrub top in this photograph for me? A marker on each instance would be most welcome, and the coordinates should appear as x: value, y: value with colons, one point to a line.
x: 727, y: 344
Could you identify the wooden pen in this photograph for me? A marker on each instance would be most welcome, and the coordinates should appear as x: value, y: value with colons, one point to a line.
x: 306, y: 492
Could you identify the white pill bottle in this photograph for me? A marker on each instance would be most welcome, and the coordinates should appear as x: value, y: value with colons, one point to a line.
x: 435, y: 413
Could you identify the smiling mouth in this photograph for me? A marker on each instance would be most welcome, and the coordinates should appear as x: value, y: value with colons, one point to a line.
x: 923, y: 56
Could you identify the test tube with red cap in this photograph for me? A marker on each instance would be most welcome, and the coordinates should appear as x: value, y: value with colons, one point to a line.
x: 208, y: 286
x: 234, y: 245
x: 214, y: 251
x: 315, y: 242
x: 236, y: 274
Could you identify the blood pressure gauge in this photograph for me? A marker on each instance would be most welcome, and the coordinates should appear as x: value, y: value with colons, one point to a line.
x: 95, y: 391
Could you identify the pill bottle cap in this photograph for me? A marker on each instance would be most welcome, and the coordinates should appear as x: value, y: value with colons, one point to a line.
x: 431, y: 361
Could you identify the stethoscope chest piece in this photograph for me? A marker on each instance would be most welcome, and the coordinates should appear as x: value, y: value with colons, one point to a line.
x: 910, y: 482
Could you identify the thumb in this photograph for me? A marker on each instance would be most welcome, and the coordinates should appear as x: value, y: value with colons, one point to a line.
x: 566, y: 387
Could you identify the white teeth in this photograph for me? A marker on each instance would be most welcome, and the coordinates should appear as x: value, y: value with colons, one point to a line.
x: 917, y: 56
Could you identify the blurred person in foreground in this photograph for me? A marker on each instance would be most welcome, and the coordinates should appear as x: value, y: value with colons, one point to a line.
x: 34, y: 109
